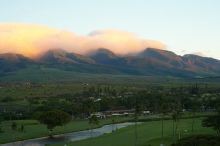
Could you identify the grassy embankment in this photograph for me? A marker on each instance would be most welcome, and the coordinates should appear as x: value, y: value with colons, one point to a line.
x: 34, y: 129
x: 149, y: 134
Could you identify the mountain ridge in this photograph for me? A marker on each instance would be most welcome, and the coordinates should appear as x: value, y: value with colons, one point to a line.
x: 150, y: 61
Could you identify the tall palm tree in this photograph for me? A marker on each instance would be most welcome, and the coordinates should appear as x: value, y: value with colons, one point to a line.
x: 135, y: 130
x: 136, y: 116
x: 114, y: 121
x: 164, y: 109
x: 176, y: 114
x: 176, y: 117
x: 93, y: 121
x: 195, y: 106
x: 1, y: 127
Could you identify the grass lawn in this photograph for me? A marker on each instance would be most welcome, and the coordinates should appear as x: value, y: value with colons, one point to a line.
x: 149, y: 134
x: 34, y: 129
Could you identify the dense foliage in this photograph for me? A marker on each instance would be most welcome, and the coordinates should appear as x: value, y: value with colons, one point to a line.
x: 80, y: 100
x: 199, y: 140
x: 213, y: 121
x: 54, y: 118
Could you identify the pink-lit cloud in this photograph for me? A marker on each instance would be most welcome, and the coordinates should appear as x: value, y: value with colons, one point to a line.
x: 33, y: 40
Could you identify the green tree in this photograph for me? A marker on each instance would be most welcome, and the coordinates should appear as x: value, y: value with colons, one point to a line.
x: 138, y: 108
x: 195, y: 107
x: 199, y: 140
x: 1, y: 127
x: 1, y: 119
x: 22, y: 128
x: 164, y: 109
x: 114, y: 121
x: 212, y: 121
x: 54, y: 118
x: 14, y: 126
x: 176, y: 114
x: 93, y: 121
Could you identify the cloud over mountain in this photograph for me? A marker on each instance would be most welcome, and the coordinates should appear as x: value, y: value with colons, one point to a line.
x: 33, y: 40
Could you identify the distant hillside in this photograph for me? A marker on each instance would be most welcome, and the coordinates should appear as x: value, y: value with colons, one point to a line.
x: 151, y: 61
x: 10, y: 62
x: 59, y: 56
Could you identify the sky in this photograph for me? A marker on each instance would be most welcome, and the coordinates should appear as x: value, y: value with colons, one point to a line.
x: 184, y: 26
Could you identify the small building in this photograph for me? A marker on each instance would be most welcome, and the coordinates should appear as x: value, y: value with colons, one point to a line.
x: 99, y: 115
x: 119, y: 111
x: 146, y: 112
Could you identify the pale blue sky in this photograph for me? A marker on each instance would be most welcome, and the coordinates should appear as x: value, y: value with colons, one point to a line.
x: 185, y: 26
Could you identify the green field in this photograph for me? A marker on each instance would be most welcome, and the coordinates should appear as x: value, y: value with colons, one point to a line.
x: 34, y: 129
x: 51, y: 75
x: 148, y: 134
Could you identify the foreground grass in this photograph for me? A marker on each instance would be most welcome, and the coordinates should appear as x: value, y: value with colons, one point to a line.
x: 33, y: 129
x: 149, y: 134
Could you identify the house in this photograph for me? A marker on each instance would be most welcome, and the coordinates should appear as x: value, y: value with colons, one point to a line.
x: 99, y: 115
x: 119, y: 111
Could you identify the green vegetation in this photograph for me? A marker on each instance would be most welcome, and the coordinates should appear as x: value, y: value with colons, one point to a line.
x: 149, y: 133
x: 33, y: 129
x: 93, y: 121
x: 150, y: 99
x: 213, y: 121
x: 53, y: 119
x: 199, y: 140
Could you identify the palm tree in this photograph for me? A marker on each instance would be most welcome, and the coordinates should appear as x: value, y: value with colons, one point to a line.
x: 1, y: 127
x: 135, y: 130
x: 114, y: 121
x: 1, y: 120
x: 136, y: 116
x: 164, y: 109
x: 176, y: 117
x: 194, y: 91
x: 195, y: 106
x: 93, y: 120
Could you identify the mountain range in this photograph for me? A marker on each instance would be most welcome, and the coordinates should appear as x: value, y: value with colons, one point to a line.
x: 151, y: 62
